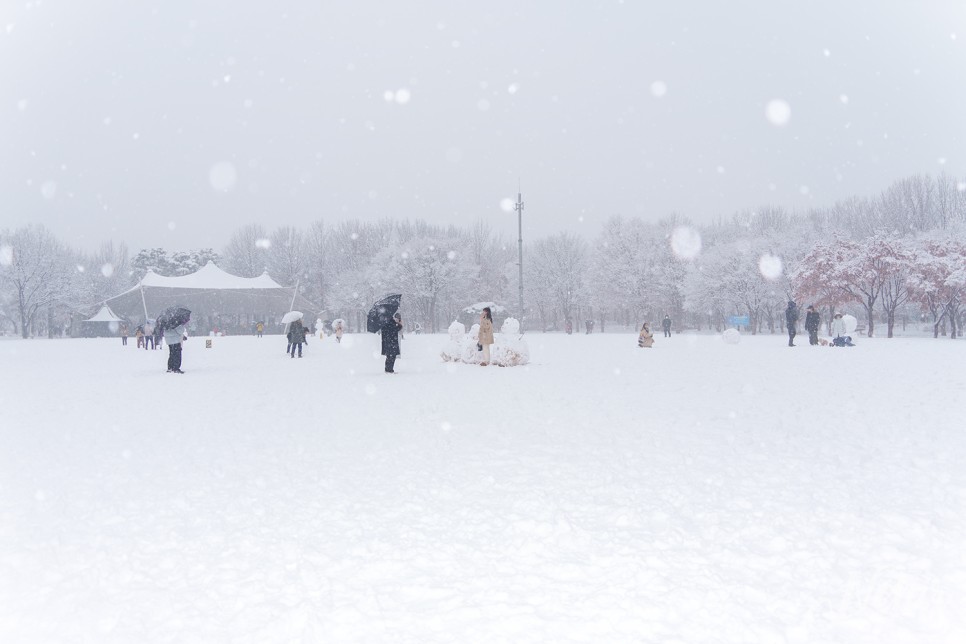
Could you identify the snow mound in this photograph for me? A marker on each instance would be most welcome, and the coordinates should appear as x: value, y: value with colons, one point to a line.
x: 850, y: 323
x: 508, y: 349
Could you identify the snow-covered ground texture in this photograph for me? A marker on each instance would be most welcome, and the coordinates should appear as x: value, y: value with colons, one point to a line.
x: 698, y: 491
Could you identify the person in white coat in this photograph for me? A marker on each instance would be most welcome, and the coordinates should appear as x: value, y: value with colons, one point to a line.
x: 173, y: 338
x: 840, y: 339
x: 838, y: 326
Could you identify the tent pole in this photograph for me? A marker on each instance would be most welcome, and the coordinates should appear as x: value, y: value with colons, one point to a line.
x: 295, y: 294
x: 143, y: 303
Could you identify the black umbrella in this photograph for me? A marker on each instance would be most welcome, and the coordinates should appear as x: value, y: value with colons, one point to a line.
x: 172, y: 316
x: 381, y: 312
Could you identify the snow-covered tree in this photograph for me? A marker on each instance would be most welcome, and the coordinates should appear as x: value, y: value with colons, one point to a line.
x: 35, y: 272
x: 246, y: 254
x: 937, y: 280
x: 287, y: 257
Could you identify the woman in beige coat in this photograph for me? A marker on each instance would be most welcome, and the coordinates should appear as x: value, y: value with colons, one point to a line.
x: 486, y: 334
x: 645, y: 339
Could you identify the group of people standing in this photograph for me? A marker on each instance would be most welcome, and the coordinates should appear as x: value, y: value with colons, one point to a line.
x: 145, y: 334
x: 813, y: 321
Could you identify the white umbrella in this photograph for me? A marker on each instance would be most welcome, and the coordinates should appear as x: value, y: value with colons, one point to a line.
x: 291, y: 316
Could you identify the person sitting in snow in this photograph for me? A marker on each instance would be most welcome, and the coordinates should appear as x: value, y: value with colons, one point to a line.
x: 839, y: 339
x: 645, y: 339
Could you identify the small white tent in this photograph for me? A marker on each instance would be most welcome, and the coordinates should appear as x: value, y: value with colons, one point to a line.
x: 215, y: 298
x: 102, y: 324
x: 104, y: 315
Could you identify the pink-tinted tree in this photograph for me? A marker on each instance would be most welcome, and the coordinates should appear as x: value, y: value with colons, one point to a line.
x: 937, y: 281
x: 891, y: 257
x: 816, y: 277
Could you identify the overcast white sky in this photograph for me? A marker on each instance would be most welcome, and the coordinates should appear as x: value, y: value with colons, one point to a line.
x: 172, y: 123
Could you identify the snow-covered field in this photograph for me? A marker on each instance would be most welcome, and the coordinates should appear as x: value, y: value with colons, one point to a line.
x: 693, y: 492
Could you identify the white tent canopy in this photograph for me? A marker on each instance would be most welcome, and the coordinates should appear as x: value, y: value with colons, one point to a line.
x: 104, y: 315
x: 211, y: 292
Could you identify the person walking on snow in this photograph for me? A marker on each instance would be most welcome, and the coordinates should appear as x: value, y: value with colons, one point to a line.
x: 791, y: 319
x: 296, y: 336
x: 149, y: 336
x: 123, y: 334
x: 666, y: 324
x: 812, y: 322
x: 260, y: 329
x: 173, y: 338
x: 338, y: 331
x: 485, y: 337
x: 645, y: 339
x: 390, y: 340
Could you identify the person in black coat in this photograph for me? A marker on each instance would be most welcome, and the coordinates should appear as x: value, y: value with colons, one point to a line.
x: 666, y: 324
x: 791, y: 319
x: 390, y: 340
x: 296, y: 336
x: 812, y: 322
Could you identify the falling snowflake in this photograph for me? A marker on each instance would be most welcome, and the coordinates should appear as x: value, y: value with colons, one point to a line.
x: 658, y: 89
x: 49, y: 190
x: 778, y: 112
x: 507, y: 204
x: 6, y: 255
x: 451, y: 254
x: 770, y: 266
x: 107, y: 270
x: 685, y: 242
x: 263, y: 243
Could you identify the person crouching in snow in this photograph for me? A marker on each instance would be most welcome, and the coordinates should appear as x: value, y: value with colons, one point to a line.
x: 486, y: 334
x: 296, y: 336
x: 645, y: 339
x: 839, y: 331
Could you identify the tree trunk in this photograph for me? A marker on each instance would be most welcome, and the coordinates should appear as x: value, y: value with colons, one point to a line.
x: 890, y: 323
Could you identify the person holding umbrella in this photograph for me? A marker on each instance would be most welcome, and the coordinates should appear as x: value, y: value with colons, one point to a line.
x: 174, y: 323
x: 173, y: 337
x: 296, y: 336
x: 390, y: 340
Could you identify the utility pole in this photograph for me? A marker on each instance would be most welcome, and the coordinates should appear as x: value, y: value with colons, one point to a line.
x: 519, y: 209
